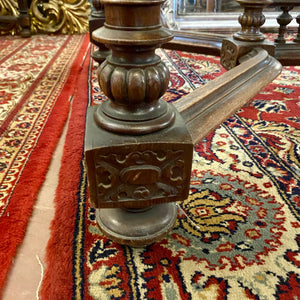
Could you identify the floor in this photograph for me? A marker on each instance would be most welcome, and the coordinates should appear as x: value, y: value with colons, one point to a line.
x: 26, y: 273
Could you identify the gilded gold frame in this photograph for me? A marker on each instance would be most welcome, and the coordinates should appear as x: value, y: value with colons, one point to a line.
x: 53, y: 16
x: 8, y: 8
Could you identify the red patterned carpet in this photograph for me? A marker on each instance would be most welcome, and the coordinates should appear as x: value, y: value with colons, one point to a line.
x: 37, y: 80
x: 237, y: 235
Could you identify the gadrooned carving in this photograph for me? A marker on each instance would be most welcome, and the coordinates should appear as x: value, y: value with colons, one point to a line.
x: 133, y: 85
x: 250, y: 21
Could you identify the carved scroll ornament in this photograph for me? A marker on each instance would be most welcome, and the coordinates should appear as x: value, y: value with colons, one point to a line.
x: 51, y: 16
x: 63, y: 16
x: 8, y: 8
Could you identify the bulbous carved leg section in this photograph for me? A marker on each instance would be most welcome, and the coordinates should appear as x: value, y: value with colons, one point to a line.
x: 251, y: 20
x: 134, y: 93
x: 283, y: 20
x: 133, y: 85
x: 251, y: 24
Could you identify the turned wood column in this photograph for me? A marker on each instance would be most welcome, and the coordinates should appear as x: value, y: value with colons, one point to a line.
x: 284, y: 19
x: 251, y: 20
x: 24, y: 17
x: 96, y: 20
x: 138, y: 150
x: 249, y: 36
x: 297, y: 38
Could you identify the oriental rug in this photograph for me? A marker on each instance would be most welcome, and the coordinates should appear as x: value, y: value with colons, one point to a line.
x: 237, y: 236
x: 37, y: 81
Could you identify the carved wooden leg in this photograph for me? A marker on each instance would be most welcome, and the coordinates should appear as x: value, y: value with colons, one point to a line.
x: 251, y: 20
x: 210, y: 6
x: 96, y: 20
x: 24, y: 17
x: 138, y: 150
x: 249, y: 36
x: 283, y: 20
x: 297, y: 38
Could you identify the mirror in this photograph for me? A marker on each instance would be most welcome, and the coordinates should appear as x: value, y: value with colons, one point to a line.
x: 220, y: 16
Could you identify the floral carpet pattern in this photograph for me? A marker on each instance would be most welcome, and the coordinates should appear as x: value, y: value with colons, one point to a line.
x: 237, y: 236
x: 36, y: 84
x: 19, y: 73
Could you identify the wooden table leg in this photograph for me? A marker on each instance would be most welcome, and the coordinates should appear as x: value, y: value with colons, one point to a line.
x: 210, y: 6
x: 24, y: 18
x: 138, y: 150
x: 97, y: 20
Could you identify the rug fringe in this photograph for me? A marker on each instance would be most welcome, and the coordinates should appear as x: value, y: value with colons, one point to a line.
x: 13, y: 222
